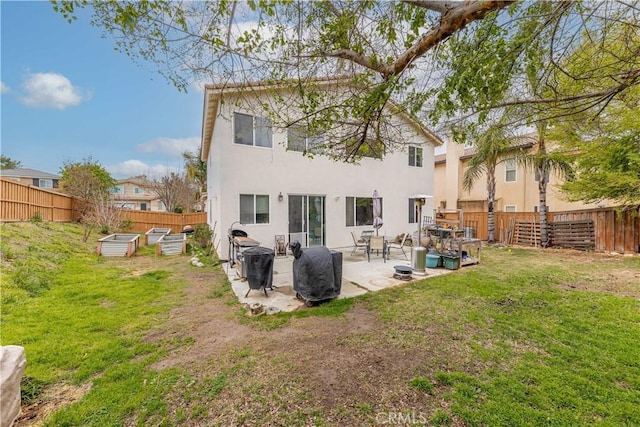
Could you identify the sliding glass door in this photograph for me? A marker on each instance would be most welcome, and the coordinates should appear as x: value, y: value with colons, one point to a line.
x: 306, y: 220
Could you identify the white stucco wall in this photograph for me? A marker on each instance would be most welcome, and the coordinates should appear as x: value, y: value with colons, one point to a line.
x: 237, y: 169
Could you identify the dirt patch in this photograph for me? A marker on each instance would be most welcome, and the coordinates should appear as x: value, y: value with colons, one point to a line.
x: 50, y: 401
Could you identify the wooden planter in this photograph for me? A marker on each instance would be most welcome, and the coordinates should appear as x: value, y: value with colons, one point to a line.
x: 152, y: 236
x: 118, y: 245
x: 172, y: 244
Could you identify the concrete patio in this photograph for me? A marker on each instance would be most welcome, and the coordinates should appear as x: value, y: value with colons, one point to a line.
x: 358, y: 277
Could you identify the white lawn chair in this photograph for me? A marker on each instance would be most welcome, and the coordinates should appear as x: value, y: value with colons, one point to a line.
x: 401, y: 245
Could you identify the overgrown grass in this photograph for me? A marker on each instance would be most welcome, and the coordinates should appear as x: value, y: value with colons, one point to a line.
x: 86, y: 325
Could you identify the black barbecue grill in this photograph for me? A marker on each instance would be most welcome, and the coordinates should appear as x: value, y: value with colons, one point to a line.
x: 239, y: 240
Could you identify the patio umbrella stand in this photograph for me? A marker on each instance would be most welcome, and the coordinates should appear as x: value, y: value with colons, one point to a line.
x: 377, y: 211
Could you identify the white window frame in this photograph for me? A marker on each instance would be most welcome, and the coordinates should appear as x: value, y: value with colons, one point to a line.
x: 511, y: 208
x: 161, y: 206
x: 351, y: 211
x: 253, y: 219
x: 117, y: 190
x: 417, y: 158
x: 312, y: 143
x: 138, y: 190
x: 254, y: 133
x: 510, y: 165
x: 45, y: 183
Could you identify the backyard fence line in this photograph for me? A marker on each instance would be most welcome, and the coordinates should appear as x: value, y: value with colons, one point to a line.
x: 611, y: 229
x: 615, y: 230
x: 21, y: 202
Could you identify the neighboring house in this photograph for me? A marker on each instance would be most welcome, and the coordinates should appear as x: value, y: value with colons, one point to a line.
x: 32, y: 177
x: 135, y: 193
x: 516, y: 187
x: 258, y: 175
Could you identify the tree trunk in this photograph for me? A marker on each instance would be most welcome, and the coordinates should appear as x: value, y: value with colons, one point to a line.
x: 491, y: 196
x: 542, y: 173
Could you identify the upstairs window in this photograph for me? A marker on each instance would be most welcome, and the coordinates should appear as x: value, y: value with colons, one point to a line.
x: 510, y: 170
x: 251, y: 130
x: 138, y: 190
x: 299, y: 140
x: 117, y: 190
x: 254, y: 209
x: 372, y: 149
x: 415, y: 156
x: 45, y: 183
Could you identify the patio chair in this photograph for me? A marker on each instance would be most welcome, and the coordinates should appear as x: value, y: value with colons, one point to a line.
x: 377, y: 243
x: 401, y: 245
x: 358, y: 244
x: 280, y: 248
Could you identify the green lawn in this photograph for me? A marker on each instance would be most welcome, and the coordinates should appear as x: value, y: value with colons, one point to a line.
x: 529, y: 337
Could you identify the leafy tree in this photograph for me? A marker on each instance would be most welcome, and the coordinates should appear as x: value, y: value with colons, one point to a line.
x: 86, y: 179
x: 90, y: 185
x: 440, y: 58
x: 605, y: 150
x: 493, y: 66
x: 378, y: 48
x: 606, y: 153
x: 8, y: 163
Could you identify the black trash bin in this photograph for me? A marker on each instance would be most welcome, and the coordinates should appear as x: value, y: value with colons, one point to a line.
x: 317, y: 274
x: 258, y: 262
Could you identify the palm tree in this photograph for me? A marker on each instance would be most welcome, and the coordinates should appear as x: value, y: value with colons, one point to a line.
x: 543, y: 163
x: 492, y: 147
x: 196, y: 169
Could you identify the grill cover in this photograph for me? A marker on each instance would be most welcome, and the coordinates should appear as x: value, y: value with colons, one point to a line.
x: 258, y: 262
x: 317, y: 273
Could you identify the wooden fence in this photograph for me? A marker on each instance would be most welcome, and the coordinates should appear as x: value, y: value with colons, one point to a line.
x: 21, y: 202
x: 145, y: 220
x: 613, y: 230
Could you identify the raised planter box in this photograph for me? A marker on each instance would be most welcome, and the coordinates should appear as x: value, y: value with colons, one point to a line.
x: 118, y: 245
x: 172, y: 244
x: 152, y: 236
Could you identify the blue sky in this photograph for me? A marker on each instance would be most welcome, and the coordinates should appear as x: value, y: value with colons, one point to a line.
x: 67, y: 95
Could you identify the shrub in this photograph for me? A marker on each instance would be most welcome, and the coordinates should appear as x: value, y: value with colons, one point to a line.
x: 36, y: 218
x: 203, y: 236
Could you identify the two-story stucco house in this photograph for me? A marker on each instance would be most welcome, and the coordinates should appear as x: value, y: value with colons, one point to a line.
x: 259, y: 177
x: 136, y: 193
x: 33, y: 177
x: 516, y: 186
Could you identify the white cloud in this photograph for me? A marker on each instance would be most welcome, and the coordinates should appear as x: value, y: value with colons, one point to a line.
x: 50, y: 90
x: 171, y: 146
x: 130, y: 168
x: 4, y: 88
